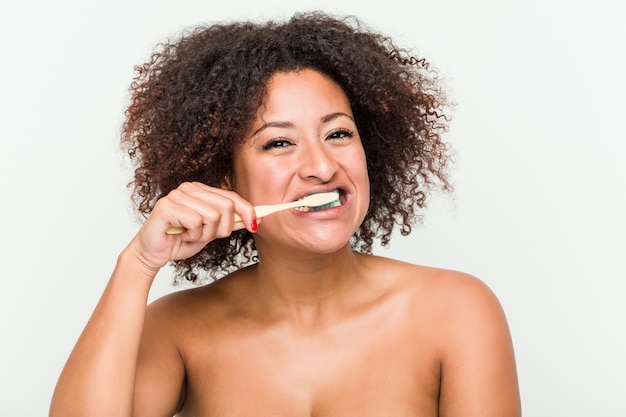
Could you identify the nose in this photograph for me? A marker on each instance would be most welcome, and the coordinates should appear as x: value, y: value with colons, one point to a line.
x: 317, y: 162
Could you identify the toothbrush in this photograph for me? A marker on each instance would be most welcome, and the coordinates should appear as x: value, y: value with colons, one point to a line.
x: 330, y: 199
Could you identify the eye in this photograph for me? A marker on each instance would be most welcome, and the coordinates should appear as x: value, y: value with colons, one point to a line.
x: 277, y: 143
x: 341, y: 134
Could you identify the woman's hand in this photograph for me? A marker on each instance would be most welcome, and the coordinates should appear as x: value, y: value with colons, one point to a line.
x: 206, y: 213
x: 100, y: 375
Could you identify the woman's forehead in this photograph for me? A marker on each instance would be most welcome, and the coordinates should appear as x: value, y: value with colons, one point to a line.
x: 309, y: 91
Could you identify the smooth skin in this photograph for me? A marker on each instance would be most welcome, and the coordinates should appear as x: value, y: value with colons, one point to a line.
x: 313, y: 329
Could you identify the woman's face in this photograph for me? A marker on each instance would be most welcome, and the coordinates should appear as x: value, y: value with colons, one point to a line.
x: 304, y: 141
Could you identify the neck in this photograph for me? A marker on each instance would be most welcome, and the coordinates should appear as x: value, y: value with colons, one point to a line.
x: 307, y: 286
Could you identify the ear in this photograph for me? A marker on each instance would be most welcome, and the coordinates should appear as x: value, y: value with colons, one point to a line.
x: 227, y: 184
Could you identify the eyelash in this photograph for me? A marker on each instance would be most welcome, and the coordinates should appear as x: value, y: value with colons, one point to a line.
x: 276, y: 143
x: 281, y: 143
x: 345, y: 133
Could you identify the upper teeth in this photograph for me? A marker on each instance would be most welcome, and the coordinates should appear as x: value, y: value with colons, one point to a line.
x: 332, y: 204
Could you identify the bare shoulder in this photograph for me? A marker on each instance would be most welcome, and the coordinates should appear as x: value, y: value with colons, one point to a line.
x: 173, y: 325
x: 460, y: 318
x: 206, y: 300
x: 443, y: 287
x: 462, y: 302
x: 457, y: 292
x: 458, y: 305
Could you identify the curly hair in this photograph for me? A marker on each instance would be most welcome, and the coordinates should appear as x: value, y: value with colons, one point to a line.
x: 195, y: 99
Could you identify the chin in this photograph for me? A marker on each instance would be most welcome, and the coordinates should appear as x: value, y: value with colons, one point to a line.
x: 325, y: 243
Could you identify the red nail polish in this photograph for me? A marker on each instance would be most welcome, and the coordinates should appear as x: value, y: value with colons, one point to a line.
x: 254, y: 226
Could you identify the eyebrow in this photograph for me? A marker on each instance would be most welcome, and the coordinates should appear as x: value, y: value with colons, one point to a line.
x: 333, y: 116
x: 286, y: 125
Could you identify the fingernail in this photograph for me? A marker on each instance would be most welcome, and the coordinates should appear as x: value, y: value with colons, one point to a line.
x: 254, y: 226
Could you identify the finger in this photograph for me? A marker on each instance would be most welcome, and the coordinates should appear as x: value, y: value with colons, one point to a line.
x: 201, y: 197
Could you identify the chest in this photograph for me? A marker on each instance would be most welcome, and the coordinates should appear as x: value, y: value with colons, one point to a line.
x: 356, y: 369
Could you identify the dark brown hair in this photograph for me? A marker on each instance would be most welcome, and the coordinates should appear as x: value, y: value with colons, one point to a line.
x: 198, y: 95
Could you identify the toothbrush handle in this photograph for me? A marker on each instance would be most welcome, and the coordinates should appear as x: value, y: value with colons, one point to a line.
x: 261, y: 211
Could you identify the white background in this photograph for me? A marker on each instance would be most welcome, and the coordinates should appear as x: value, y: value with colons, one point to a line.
x: 540, y: 176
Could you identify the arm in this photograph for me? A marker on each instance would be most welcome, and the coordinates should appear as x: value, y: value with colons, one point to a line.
x: 99, y: 376
x: 478, y: 374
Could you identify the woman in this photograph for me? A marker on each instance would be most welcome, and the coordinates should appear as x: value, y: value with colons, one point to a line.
x: 302, y: 321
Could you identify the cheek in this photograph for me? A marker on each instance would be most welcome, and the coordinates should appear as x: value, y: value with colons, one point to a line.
x: 242, y: 184
x: 356, y: 166
x: 359, y: 168
x: 261, y: 179
x: 365, y: 181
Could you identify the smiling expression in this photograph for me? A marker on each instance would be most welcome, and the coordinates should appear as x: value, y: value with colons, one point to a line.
x: 305, y: 141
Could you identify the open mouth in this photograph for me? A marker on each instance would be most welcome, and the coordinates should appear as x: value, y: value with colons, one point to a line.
x: 334, y: 203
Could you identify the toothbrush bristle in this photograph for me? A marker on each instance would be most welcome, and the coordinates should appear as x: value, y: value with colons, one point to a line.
x: 328, y: 200
x: 334, y: 203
